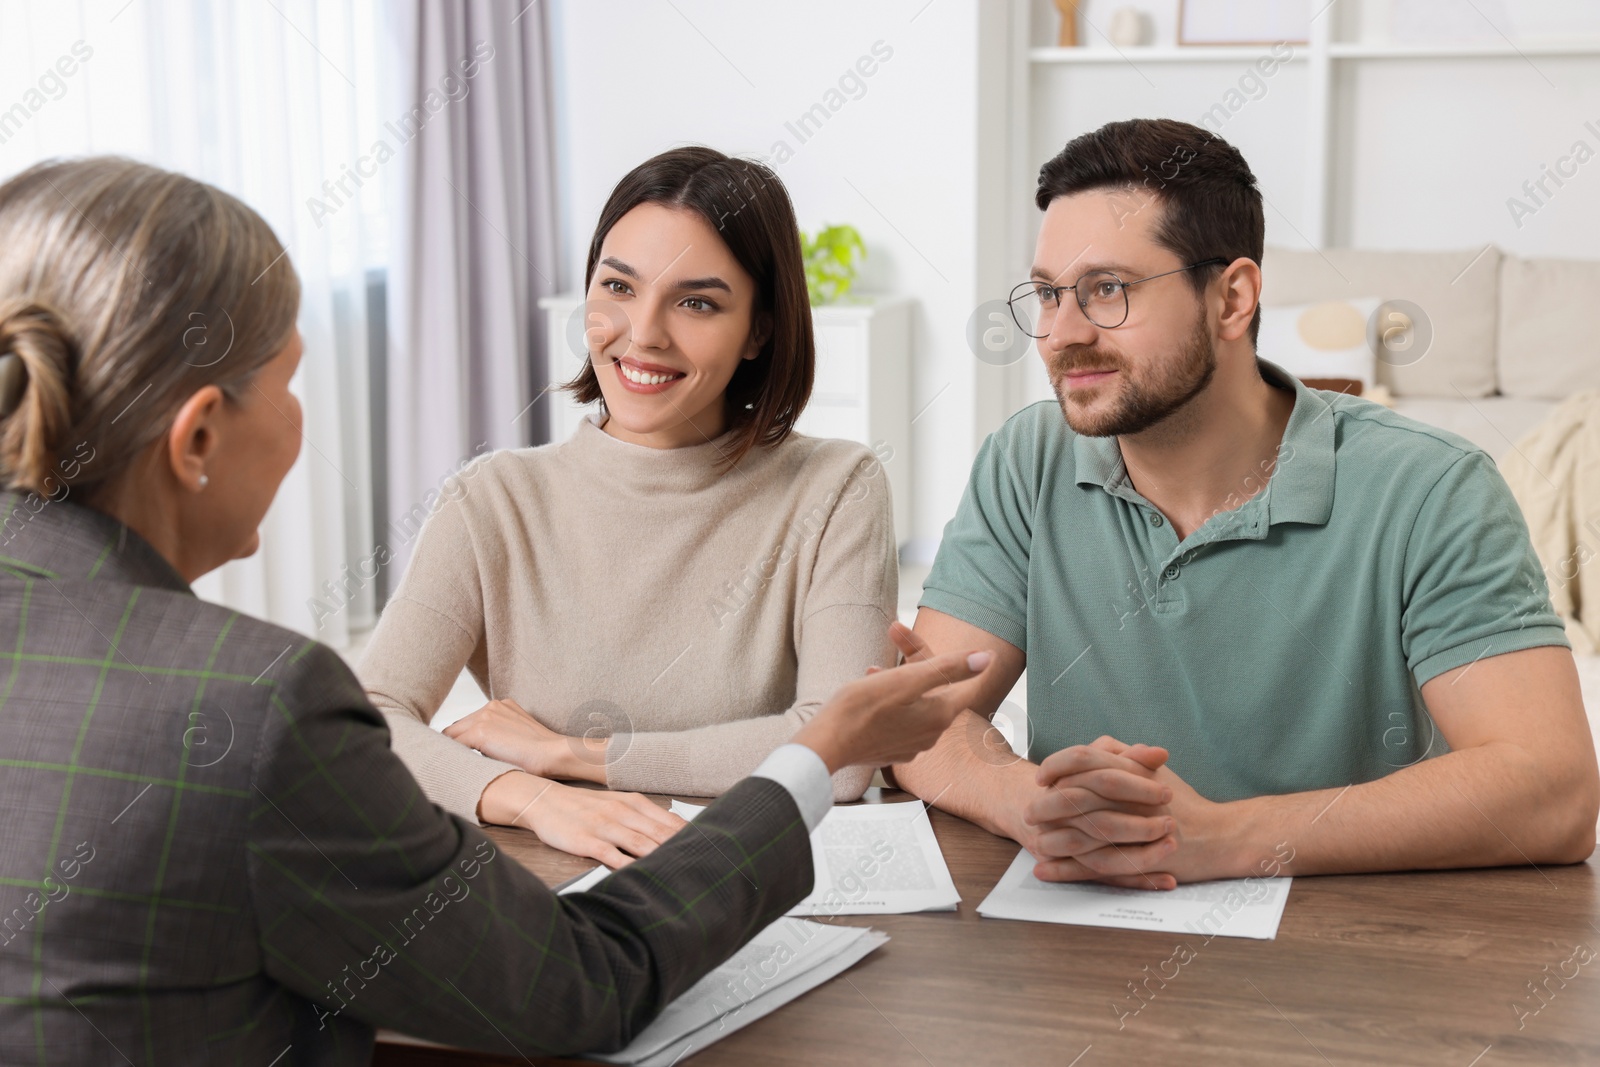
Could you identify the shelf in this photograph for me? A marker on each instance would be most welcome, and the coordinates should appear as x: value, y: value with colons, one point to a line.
x: 1249, y: 53
x: 1486, y: 50
x: 1317, y: 106
x: 1162, y: 54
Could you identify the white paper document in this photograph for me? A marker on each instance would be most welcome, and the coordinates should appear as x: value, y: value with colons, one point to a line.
x: 1238, y: 907
x: 872, y: 859
x: 788, y: 958
x: 585, y: 882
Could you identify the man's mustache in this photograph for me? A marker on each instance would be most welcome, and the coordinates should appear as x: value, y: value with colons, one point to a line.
x: 1083, y: 362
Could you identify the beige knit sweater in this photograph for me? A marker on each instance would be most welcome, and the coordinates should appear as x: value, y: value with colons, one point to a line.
x: 698, y: 617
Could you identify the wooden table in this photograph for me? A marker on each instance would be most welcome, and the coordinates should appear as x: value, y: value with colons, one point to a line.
x: 1420, y: 968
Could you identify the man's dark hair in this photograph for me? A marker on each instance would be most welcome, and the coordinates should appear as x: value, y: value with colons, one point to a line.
x: 1207, y: 196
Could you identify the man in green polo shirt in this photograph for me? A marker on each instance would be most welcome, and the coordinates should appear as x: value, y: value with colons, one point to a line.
x: 1268, y: 629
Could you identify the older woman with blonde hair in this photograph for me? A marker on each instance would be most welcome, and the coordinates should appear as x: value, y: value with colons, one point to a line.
x: 210, y: 851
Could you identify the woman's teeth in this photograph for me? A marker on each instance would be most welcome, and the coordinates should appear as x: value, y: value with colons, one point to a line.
x: 645, y: 378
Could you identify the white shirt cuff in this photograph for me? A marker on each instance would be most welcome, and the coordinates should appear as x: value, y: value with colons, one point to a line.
x: 802, y: 772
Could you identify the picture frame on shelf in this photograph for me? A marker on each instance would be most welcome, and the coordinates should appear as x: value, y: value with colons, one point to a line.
x: 1244, y: 22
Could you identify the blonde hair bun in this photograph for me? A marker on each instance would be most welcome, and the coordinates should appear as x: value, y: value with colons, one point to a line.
x: 36, y: 354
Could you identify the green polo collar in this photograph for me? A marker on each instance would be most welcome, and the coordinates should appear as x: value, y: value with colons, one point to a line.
x: 1301, y: 488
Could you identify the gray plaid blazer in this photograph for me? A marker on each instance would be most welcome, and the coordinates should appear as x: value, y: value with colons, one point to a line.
x: 209, y: 853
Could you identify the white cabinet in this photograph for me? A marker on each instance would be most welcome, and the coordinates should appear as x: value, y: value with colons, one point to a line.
x: 861, y: 392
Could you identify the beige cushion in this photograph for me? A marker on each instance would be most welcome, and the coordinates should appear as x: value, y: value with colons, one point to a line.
x: 1549, y: 327
x: 1457, y: 290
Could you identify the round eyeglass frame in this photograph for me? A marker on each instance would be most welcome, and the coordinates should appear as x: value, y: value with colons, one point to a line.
x: 1033, y: 286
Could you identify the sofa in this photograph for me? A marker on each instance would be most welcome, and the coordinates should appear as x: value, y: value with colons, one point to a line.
x: 1511, y: 336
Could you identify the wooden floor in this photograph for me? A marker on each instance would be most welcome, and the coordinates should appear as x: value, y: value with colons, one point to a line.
x: 1463, y: 969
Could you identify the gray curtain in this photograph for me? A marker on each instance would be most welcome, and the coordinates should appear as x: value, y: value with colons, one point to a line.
x: 475, y: 245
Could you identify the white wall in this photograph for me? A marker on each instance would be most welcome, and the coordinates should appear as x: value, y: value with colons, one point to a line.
x: 900, y: 163
x: 1441, y: 148
x: 1433, y: 150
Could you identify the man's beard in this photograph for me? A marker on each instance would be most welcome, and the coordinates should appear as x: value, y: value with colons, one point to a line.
x: 1141, y: 405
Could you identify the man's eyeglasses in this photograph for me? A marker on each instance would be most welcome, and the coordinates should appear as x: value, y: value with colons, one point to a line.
x: 1101, y: 295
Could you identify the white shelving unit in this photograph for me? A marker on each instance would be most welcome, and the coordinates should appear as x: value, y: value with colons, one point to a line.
x: 860, y: 392
x: 1319, y: 137
x: 1337, y: 50
x: 1150, y: 54
x: 1323, y: 55
x: 1464, y: 51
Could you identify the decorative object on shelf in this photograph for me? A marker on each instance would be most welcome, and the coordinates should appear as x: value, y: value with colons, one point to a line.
x: 1069, y: 23
x: 1130, y: 28
x: 832, y: 258
x: 1210, y: 22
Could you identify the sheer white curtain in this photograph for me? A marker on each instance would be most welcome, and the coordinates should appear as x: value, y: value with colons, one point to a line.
x: 280, y: 103
x: 475, y: 243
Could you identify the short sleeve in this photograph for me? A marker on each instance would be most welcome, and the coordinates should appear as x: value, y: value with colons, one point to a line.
x: 980, y: 574
x: 1473, y: 587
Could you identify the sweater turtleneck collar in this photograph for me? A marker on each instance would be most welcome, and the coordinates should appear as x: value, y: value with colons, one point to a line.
x: 624, y: 466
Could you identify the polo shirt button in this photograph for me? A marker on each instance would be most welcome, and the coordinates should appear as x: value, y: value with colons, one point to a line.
x: 1171, y: 572
x: 1156, y: 519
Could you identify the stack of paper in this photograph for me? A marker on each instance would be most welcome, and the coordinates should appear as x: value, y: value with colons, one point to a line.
x: 1238, y: 907
x: 788, y: 958
x: 872, y: 859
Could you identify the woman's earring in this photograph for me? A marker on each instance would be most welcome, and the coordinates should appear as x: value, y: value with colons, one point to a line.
x: 204, y: 481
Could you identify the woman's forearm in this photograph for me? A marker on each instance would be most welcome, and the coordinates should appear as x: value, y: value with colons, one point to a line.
x: 507, y: 798
x: 452, y: 775
x: 578, y: 759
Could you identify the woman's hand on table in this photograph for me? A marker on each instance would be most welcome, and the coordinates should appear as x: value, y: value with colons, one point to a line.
x: 503, y: 730
x: 613, y: 828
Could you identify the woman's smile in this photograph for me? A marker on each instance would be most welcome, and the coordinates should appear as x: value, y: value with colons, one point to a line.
x: 639, y: 377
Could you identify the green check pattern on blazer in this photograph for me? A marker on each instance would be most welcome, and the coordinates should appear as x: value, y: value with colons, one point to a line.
x: 210, y: 855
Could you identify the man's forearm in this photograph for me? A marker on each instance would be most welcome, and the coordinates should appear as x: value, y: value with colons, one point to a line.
x: 971, y: 773
x: 1491, y: 805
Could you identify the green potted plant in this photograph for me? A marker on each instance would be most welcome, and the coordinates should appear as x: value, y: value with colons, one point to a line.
x: 832, y: 258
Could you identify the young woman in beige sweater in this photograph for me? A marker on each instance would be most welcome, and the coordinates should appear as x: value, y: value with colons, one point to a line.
x: 662, y: 600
